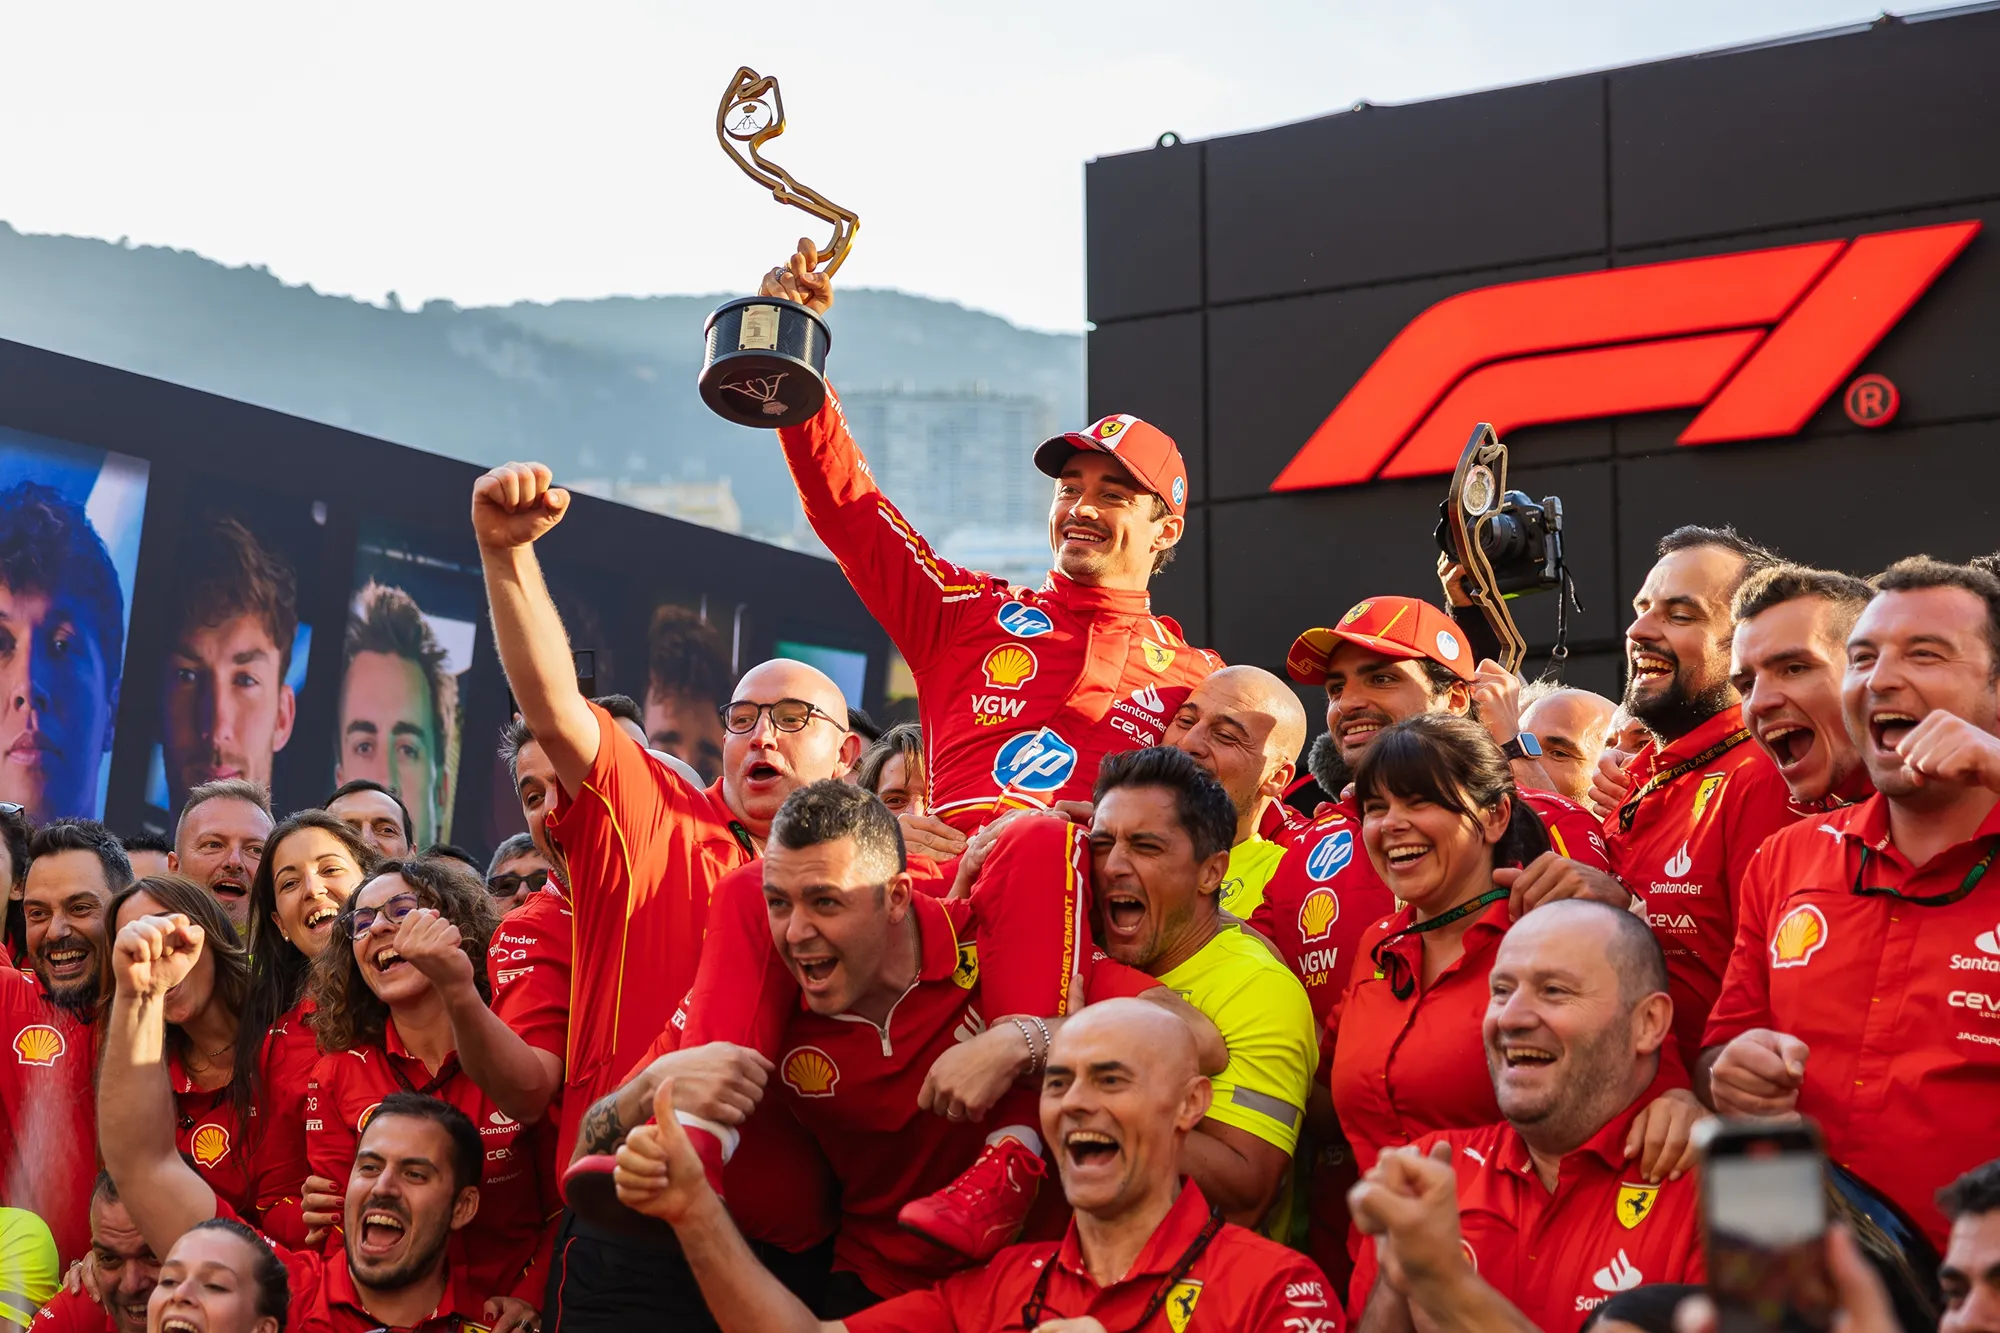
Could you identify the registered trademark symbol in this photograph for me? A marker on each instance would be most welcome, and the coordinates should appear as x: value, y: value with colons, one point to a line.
x: 1871, y: 401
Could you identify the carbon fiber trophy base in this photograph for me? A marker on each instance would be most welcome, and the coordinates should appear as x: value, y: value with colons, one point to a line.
x: 765, y: 365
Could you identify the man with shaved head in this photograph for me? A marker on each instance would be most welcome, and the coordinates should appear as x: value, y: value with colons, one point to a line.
x: 1577, y: 1014
x: 1571, y: 725
x: 1245, y: 727
x: 1119, y: 1099
x: 643, y: 847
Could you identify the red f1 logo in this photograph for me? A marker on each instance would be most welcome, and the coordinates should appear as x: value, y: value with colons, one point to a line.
x: 1762, y: 338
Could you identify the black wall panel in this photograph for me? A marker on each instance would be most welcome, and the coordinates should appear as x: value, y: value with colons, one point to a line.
x: 1321, y: 241
x: 1152, y: 369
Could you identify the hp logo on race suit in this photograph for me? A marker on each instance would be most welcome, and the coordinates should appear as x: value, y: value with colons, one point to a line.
x: 1037, y: 761
x: 1331, y: 855
x: 1025, y: 622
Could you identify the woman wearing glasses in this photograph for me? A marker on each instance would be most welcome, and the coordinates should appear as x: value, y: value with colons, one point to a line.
x: 1446, y: 829
x: 312, y: 862
x: 410, y: 946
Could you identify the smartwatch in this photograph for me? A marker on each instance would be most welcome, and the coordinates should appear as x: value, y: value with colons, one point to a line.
x: 1523, y: 746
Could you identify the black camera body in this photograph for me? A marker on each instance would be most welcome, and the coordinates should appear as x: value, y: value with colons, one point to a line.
x: 1501, y: 545
x: 1522, y: 541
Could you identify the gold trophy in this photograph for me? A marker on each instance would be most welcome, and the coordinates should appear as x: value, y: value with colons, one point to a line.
x: 765, y: 364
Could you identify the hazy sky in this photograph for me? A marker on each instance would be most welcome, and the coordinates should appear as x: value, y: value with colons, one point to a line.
x: 503, y: 150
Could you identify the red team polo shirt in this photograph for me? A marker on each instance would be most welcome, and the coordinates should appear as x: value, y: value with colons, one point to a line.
x: 1558, y: 1255
x: 290, y: 1052
x: 1240, y: 1282
x: 528, y: 967
x: 855, y: 1087
x: 72, y: 1312
x: 324, y: 1299
x: 507, y: 1240
x: 48, y: 1112
x: 1022, y: 693
x: 1898, y: 1003
x: 645, y: 848
x: 1686, y: 851
x: 206, y: 1133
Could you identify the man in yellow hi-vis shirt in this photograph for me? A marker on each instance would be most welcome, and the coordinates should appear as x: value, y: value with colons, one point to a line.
x: 1159, y: 843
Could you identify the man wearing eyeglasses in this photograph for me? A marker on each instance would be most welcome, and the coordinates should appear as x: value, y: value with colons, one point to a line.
x: 642, y: 846
x: 1022, y: 692
x: 1864, y: 988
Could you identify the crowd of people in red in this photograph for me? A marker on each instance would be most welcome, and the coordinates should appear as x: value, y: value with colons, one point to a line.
x: 1113, y: 1005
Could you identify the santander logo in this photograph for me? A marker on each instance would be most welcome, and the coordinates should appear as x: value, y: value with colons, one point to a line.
x: 1758, y: 340
x: 1679, y: 863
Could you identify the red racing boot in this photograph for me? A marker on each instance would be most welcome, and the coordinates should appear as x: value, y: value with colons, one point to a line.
x: 981, y: 1212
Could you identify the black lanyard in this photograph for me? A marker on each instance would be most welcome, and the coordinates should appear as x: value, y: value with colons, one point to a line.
x: 445, y: 1074
x: 1402, y: 983
x: 742, y: 836
x: 1036, y: 1312
x: 1946, y: 899
x: 1628, y: 811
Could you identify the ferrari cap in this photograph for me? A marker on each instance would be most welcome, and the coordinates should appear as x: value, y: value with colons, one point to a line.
x: 1397, y: 626
x: 1147, y: 452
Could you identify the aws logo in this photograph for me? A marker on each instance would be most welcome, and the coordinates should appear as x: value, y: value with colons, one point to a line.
x: 1758, y: 340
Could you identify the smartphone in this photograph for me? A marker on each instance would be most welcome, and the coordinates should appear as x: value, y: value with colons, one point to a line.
x: 586, y: 672
x: 1763, y: 1190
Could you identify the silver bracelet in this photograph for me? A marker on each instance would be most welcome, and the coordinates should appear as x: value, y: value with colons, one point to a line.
x: 1046, y: 1043
x: 1028, y: 1035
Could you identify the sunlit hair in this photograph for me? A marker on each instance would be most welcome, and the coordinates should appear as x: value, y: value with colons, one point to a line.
x: 351, y: 1015
x: 1452, y: 763
x: 905, y: 739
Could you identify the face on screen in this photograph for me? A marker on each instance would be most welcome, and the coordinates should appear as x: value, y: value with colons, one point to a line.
x: 58, y: 698
x: 387, y: 733
x: 227, y: 709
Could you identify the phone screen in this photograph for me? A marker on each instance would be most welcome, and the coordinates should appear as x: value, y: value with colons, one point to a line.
x: 1766, y: 1208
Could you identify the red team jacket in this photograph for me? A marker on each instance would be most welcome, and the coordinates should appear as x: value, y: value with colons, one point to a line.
x: 1022, y: 693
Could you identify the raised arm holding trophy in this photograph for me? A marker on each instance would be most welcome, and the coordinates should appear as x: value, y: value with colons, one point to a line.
x: 765, y: 364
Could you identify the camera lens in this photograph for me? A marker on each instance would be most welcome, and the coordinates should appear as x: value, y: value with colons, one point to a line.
x: 1503, y: 539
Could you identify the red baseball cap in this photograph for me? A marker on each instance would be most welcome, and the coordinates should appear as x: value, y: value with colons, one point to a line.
x: 1400, y: 627
x: 1147, y: 452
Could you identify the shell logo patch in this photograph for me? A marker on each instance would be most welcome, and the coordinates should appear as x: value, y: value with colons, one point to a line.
x: 1009, y: 667
x: 810, y: 1072
x: 361, y: 1121
x: 39, y: 1044
x: 1158, y: 658
x: 966, y: 975
x: 1798, y: 937
x: 1635, y: 1204
x: 1317, y: 914
x: 209, y: 1145
x: 1181, y: 1302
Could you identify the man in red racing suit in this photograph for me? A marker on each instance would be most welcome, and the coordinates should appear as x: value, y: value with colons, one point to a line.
x: 1021, y: 693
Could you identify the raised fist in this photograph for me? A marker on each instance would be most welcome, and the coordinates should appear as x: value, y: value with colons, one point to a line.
x: 514, y: 504
x: 155, y: 953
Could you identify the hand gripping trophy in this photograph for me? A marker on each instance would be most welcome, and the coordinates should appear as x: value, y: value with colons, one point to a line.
x: 765, y: 364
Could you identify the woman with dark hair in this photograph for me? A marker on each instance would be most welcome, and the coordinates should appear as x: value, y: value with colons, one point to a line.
x: 221, y: 1277
x: 1444, y: 825
x: 204, y: 1016
x: 312, y: 862
x: 15, y: 830
x: 413, y: 929
x: 893, y: 768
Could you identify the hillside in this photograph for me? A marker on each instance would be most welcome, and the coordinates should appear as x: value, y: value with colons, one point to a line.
x: 595, y: 388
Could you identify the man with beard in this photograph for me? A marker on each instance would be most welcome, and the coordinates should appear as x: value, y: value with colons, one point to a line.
x: 219, y: 842
x: 1547, y: 1207
x: 1787, y: 657
x: 48, y: 1022
x: 226, y: 710
x: 1121, y: 1097
x: 125, y: 1271
x: 415, y: 1180
x: 1684, y: 816
x: 1245, y: 728
x: 638, y: 847
x: 377, y: 815
x: 1861, y: 990
x: 1022, y: 693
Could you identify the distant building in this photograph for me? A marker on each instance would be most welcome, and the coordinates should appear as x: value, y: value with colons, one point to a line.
x: 959, y: 464
x: 709, y: 503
